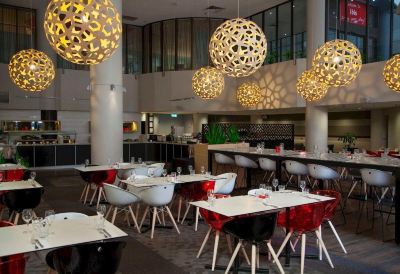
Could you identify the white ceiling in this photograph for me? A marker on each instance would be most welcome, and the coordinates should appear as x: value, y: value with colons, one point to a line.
x: 148, y: 11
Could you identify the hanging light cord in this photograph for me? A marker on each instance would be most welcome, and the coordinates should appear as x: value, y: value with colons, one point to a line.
x: 337, y: 17
x: 238, y: 8
x: 31, y: 15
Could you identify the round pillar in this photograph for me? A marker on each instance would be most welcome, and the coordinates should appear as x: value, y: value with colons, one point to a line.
x: 106, y: 108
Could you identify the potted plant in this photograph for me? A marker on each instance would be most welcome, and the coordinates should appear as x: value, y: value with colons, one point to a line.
x: 349, y: 141
x: 233, y: 134
x: 215, y: 135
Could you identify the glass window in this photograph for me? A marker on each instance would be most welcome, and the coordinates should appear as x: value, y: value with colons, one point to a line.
x: 201, y: 34
x: 169, y: 45
x: 146, y: 49
x: 257, y: 19
x: 396, y: 27
x: 184, y: 50
x: 284, y: 32
x: 156, y: 47
x: 133, y: 49
x: 270, y: 30
x: 300, y: 27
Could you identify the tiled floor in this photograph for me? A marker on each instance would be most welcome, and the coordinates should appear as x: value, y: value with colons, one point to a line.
x: 171, y: 253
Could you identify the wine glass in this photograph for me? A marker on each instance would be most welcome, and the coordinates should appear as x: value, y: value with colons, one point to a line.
x: 202, y: 170
x: 132, y: 160
x: 101, y: 210
x: 275, y: 183
x: 165, y: 172
x: 210, y: 196
x: 179, y: 170
x: 302, y: 185
x: 87, y: 162
x: 139, y: 161
x: 27, y: 215
x: 50, y: 215
x: 33, y: 177
x: 150, y: 172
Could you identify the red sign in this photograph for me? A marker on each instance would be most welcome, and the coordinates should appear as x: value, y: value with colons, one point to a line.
x: 356, y: 13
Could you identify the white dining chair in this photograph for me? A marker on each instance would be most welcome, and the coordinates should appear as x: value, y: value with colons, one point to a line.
x: 121, y: 201
x: 141, y: 171
x: 269, y: 166
x: 246, y: 164
x: 325, y: 174
x: 226, y: 184
x: 297, y: 169
x: 223, y: 160
x: 157, y: 199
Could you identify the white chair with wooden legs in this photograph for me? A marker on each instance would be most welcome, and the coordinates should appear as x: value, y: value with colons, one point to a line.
x: 226, y: 184
x: 246, y: 164
x: 269, y: 166
x: 121, y: 201
x: 296, y: 169
x: 141, y: 171
x: 223, y: 160
x: 157, y: 199
x: 325, y: 174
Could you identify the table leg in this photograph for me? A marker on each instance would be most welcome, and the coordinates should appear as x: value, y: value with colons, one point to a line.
x: 287, y: 247
x: 210, y: 159
x: 397, y: 208
x: 278, y: 171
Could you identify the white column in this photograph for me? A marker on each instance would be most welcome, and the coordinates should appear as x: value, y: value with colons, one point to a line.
x: 198, y: 120
x: 106, y: 112
x: 378, y: 129
x: 394, y: 129
x: 316, y: 116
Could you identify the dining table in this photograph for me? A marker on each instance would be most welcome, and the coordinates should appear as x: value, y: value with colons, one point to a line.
x: 17, y: 185
x: 69, y: 232
x: 341, y: 160
x: 236, y: 206
x: 181, y: 179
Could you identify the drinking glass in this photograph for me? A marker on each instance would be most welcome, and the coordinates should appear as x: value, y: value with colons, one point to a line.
x: 35, y: 230
x: 43, y: 228
x: 165, y: 172
x: 27, y: 215
x: 275, y: 183
x: 262, y: 186
x: 210, y: 196
x: 140, y: 161
x: 281, y: 187
x: 192, y: 172
x: 101, y: 210
x: 50, y: 215
x: 33, y: 176
x: 190, y: 168
x: 306, y: 190
x: 173, y: 175
x: 87, y: 162
x: 109, y: 162
x: 150, y: 172
x: 268, y: 189
x: 132, y: 160
x: 179, y: 170
x: 302, y: 185
x: 202, y: 170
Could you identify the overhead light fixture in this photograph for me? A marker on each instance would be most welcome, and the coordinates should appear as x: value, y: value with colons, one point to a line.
x: 208, y: 83
x: 337, y: 63
x: 238, y: 47
x: 310, y: 88
x: 31, y: 70
x: 83, y: 32
x: 391, y: 73
x: 248, y: 94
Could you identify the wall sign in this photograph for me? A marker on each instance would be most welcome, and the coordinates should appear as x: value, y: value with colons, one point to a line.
x: 356, y: 13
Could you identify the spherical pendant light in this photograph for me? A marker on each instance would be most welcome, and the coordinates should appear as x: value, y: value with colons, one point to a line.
x: 248, y: 94
x: 309, y: 87
x: 238, y: 47
x: 208, y: 83
x: 31, y: 70
x: 337, y: 63
x: 391, y: 73
x: 85, y: 32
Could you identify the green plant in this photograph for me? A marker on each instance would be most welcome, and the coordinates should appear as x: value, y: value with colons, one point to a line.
x: 21, y: 160
x: 215, y: 135
x: 2, y: 159
x: 348, y: 140
x: 233, y: 134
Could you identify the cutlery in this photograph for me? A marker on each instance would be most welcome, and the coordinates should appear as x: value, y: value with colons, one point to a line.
x: 106, y: 233
x: 38, y: 244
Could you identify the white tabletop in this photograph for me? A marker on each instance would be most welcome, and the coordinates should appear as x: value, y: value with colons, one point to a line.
x: 94, y: 168
x: 6, y: 167
x: 62, y: 233
x: 182, y: 179
x: 241, y: 205
x: 16, y: 185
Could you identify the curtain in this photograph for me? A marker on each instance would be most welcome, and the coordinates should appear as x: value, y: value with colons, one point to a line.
x: 133, y: 51
x: 169, y: 45
x: 184, y: 45
x: 156, y: 47
x: 201, y: 30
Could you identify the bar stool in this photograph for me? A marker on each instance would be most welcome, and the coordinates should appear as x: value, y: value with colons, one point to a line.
x: 223, y: 160
x: 296, y: 169
x: 356, y: 179
x: 247, y: 164
x: 269, y: 166
x: 323, y: 173
x: 382, y: 180
x: 255, y: 229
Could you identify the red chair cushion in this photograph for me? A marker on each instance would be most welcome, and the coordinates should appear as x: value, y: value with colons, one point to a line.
x: 111, y: 175
x: 215, y: 220
x: 14, y: 264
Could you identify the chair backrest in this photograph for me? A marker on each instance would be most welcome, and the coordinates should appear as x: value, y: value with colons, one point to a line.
x: 97, y: 258
x: 223, y: 159
x: 15, y: 175
x: 253, y: 228
x: 304, y: 218
x: 267, y: 164
x: 123, y: 174
x: 118, y: 197
x: 213, y: 219
x: 330, y: 206
x: 111, y: 176
x: 225, y: 186
x: 14, y: 264
x: 245, y: 162
x: 157, y: 171
x: 158, y: 195
x: 376, y: 177
x: 69, y: 216
x: 201, y: 189
x: 322, y: 172
x: 21, y: 199
x: 141, y: 171
x: 296, y: 168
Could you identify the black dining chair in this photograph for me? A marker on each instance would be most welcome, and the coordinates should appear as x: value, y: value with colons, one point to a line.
x: 93, y: 258
x: 18, y: 200
x: 254, y: 229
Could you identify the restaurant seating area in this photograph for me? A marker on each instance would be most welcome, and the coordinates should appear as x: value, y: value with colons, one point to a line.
x: 218, y: 136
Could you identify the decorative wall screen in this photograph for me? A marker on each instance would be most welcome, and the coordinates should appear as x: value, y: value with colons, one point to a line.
x: 271, y: 134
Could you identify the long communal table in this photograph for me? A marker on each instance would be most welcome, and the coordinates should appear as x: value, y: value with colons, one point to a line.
x: 328, y: 159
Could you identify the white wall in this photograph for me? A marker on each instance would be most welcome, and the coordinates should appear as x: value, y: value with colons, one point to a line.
x: 163, y: 123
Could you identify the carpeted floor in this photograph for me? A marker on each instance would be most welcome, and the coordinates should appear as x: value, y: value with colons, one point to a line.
x: 171, y: 253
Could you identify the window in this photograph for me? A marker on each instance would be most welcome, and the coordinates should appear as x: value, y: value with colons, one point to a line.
x: 396, y: 27
x: 184, y: 44
x: 201, y: 34
x: 132, y: 49
x: 146, y: 48
x: 270, y: 26
x: 169, y: 45
x: 17, y: 31
x: 156, y: 47
x: 285, y: 32
x: 300, y: 28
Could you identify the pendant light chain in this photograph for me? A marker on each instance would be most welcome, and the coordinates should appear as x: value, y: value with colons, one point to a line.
x: 238, y: 6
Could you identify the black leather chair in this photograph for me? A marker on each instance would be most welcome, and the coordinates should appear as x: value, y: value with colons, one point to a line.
x: 18, y: 200
x: 93, y: 258
x: 253, y: 229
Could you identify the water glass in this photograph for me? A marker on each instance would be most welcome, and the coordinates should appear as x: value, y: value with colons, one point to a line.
x: 306, y: 190
x: 192, y: 172
x: 173, y: 176
x: 211, y: 197
x: 281, y: 187
x: 33, y: 176
x: 179, y: 170
x: 139, y: 161
x: 101, y: 210
x: 132, y: 160
x: 109, y: 162
x: 43, y: 228
x: 50, y: 215
x: 100, y: 221
x: 202, y: 170
x: 190, y: 168
x: 302, y: 185
x: 262, y: 186
x: 208, y: 173
x: 275, y: 183
x: 165, y: 172
x: 87, y: 162
x: 27, y: 215
x: 35, y: 230
x: 150, y: 172
x: 268, y: 189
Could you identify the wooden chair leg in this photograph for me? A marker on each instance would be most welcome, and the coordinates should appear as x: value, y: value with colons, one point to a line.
x: 99, y: 197
x: 86, y: 194
x: 134, y: 218
x: 186, y: 213
x: 204, y: 242
x: 109, y: 211
x: 253, y: 259
x: 144, y: 216
x: 83, y: 193
x: 114, y: 215
x: 246, y: 257
x: 94, y: 195
x: 153, y: 222
x: 272, y: 252
x: 303, y: 251
x: 197, y: 219
x: 16, y: 219
x: 228, y: 268
x: 337, y: 236
x: 216, y: 242
x: 179, y: 208
x: 172, y: 219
